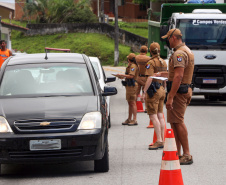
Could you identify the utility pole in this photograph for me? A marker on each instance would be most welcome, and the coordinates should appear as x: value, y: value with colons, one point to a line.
x: 98, y: 9
x: 102, y: 11
x: 116, y: 54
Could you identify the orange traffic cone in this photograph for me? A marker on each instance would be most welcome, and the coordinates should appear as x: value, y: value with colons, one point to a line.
x: 139, y: 104
x: 155, y: 136
x: 170, y: 173
x: 150, y: 125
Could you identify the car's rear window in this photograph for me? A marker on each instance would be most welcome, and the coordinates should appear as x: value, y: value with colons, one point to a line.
x: 46, y: 80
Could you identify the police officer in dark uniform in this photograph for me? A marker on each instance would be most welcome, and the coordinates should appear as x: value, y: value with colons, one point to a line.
x: 155, y: 93
x: 131, y: 89
x: 181, y: 67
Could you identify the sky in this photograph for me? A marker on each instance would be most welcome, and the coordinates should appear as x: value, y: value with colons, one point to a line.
x: 7, y: 1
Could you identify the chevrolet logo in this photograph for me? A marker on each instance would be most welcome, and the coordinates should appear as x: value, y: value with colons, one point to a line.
x: 45, y: 123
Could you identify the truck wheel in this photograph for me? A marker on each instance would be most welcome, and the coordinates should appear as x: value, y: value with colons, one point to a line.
x: 102, y: 165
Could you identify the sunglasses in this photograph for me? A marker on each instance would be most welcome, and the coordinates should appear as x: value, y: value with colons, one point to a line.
x: 171, y: 34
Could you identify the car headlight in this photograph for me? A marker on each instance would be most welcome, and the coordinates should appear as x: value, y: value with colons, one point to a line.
x: 4, y: 125
x: 90, y: 120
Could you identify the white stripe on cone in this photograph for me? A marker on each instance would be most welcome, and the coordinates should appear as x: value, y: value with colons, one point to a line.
x: 170, y: 144
x: 170, y: 165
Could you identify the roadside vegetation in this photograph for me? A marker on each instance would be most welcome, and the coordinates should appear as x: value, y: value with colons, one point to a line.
x: 90, y: 44
x: 138, y: 28
x: 59, y: 11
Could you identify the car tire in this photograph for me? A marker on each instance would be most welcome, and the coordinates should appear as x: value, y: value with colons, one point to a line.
x: 102, y: 165
x: 109, y: 120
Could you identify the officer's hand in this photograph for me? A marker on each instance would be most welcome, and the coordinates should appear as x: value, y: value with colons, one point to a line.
x: 142, y: 98
x: 157, y: 74
x: 169, y: 104
x: 119, y: 76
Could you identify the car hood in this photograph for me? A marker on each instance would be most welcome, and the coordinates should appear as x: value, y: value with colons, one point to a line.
x: 47, y: 107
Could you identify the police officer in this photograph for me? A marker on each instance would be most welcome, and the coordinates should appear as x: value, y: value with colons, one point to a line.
x: 4, y: 52
x: 142, y: 60
x: 181, y: 67
x: 131, y: 89
x: 155, y: 93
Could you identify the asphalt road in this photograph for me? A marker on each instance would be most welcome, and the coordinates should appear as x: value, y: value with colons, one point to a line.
x: 131, y: 163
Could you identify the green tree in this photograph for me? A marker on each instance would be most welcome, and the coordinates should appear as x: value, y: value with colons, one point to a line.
x: 67, y: 11
x: 160, y: 1
x: 58, y: 11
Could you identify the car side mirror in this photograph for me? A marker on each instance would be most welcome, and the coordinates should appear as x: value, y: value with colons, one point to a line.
x: 110, y: 79
x: 109, y: 91
x: 163, y: 31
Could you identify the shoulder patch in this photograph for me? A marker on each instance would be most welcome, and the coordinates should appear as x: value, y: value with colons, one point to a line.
x: 132, y: 68
x: 147, y: 66
x: 179, y: 57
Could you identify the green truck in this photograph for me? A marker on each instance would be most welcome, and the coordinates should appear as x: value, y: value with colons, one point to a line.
x: 204, y: 31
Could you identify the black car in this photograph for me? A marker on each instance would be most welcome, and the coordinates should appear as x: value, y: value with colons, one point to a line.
x: 53, y: 110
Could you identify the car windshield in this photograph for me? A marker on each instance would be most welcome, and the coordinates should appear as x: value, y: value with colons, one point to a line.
x: 203, y: 31
x: 96, y: 68
x: 51, y: 79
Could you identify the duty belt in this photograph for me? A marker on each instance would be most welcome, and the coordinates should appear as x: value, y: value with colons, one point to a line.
x: 142, y: 75
x: 183, y: 88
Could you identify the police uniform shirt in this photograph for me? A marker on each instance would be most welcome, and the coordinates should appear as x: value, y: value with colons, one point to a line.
x: 142, y: 60
x: 132, y: 70
x: 155, y: 66
x: 182, y: 57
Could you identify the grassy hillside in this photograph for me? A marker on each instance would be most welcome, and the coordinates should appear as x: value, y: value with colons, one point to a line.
x: 90, y: 44
x: 139, y: 28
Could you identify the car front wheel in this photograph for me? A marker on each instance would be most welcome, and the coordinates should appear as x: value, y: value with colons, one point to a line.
x: 102, y: 165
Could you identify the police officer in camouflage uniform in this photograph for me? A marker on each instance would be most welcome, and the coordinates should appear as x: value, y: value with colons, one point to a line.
x: 155, y: 93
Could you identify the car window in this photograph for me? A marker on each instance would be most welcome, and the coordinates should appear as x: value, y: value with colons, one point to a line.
x: 103, y: 73
x: 96, y: 68
x: 46, y: 80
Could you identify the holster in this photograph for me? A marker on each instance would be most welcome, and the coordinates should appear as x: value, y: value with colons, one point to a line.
x: 153, y: 89
x: 124, y: 83
x: 130, y: 82
x: 183, y: 89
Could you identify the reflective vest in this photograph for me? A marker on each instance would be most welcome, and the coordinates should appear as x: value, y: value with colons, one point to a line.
x: 3, y: 56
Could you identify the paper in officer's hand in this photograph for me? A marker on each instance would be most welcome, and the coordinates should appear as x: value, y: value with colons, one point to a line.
x: 159, y: 78
x: 114, y: 74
